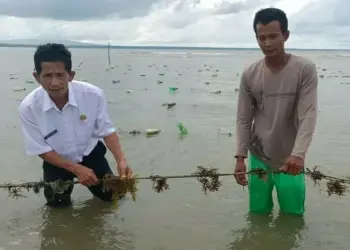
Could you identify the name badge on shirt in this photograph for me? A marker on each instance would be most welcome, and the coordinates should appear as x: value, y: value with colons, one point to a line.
x: 50, y: 134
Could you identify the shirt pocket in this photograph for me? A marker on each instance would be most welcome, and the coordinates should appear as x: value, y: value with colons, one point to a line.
x: 53, y: 138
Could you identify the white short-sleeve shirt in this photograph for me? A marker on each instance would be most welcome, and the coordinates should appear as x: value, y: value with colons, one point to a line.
x: 72, y: 132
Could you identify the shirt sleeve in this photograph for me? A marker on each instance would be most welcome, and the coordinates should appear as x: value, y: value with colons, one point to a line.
x: 33, y: 139
x: 103, y: 125
x: 306, y: 111
x: 244, y: 118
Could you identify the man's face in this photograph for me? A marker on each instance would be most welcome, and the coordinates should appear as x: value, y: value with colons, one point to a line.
x: 54, y: 78
x: 270, y: 38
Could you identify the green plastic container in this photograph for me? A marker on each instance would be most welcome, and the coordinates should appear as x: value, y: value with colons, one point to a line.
x: 183, y: 130
x: 173, y: 89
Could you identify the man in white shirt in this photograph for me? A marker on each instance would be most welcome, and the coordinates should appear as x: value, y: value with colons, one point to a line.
x: 63, y: 122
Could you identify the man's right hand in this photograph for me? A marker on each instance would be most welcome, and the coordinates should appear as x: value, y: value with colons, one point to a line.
x: 85, y: 175
x: 239, y: 173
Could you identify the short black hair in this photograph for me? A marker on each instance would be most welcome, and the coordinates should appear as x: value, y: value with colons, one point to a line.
x: 267, y: 15
x: 52, y: 52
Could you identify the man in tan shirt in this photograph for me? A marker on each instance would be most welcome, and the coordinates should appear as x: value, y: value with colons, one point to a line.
x: 276, y: 117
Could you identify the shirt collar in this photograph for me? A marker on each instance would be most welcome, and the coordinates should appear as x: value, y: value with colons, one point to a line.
x: 49, y: 104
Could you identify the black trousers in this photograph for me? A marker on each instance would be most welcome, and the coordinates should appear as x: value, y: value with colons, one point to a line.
x: 95, y: 160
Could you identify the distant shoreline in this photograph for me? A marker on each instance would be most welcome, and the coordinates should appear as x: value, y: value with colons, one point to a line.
x: 101, y: 46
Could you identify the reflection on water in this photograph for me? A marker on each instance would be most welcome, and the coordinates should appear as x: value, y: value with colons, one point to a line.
x: 85, y: 227
x: 265, y: 232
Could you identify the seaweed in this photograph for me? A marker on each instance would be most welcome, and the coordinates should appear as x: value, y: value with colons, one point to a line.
x: 207, y: 177
x: 336, y: 187
x: 159, y: 183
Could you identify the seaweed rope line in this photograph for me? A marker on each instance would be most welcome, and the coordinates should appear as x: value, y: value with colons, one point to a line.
x: 314, y: 174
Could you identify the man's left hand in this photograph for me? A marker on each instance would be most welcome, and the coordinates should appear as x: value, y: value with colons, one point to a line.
x: 293, y: 165
x: 124, y: 170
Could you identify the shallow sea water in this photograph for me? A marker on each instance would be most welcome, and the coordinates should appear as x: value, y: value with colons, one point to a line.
x: 182, y: 217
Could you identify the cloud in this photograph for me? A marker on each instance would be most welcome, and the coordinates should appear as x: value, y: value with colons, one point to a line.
x: 326, y: 21
x: 313, y: 23
x: 321, y: 16
x: 75, y: 10
x: 193, y: 23
x: 233, y: 7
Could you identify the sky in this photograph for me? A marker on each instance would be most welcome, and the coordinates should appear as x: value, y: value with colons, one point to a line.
x: 215, y: 23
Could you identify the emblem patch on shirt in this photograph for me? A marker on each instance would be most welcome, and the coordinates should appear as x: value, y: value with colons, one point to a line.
x: 82, y: 117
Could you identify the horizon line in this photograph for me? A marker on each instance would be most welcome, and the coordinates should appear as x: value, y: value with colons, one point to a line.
x: 91, y: 45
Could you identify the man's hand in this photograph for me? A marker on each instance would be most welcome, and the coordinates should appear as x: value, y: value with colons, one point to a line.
x: 86, y: 176
x: 240, y: 168
x: 113, y: 144
x: 293, y: 165
x: 123, y: 169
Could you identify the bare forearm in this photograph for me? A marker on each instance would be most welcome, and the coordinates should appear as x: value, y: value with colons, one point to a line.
x: 56, y: 160
x: 240, y: 159
x: 113, y: 144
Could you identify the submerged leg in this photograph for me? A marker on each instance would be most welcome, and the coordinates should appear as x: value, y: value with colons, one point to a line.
x: 260, y: 191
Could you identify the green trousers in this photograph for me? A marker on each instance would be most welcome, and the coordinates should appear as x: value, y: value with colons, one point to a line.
x: 290, y: 190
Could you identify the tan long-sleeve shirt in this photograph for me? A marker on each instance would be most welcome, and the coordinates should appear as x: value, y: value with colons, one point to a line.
x: 276, y: 112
